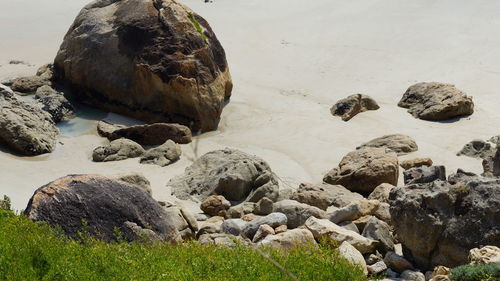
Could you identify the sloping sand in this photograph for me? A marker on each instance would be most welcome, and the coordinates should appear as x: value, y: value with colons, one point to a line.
x: 290, y: 61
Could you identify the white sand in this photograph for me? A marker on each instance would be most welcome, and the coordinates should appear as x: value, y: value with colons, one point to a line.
x: 290, y: 61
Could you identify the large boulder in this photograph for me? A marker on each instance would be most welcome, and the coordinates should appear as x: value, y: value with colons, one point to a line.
x: 364, y: 169
x: 98, y: 206
x: 154, y: 60
x: 401, y: 144
x: 439, y: 222
x: 349, y: 107
x: 324, y: 195
x: 25, y: 127
x: 436, y: 101
x: 229, y: 172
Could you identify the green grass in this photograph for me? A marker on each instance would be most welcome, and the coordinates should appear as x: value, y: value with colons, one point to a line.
x: 34, y: 251
x: 487, y: 272
x: 198, y: 27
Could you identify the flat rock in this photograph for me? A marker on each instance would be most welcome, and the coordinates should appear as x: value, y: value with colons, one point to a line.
x: 349, y: 107
x: 401, y: 144
x: 117, y: 150
x: 324, y: 195
x: 415, y: 163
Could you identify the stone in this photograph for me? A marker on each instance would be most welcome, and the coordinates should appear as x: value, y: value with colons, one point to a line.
x: 241, y: 210
x: 263, y: 231
x: 249, y: 217
x: 149, y: 134
x: 178, y: 220
x: 45, y: 91
x: 376, y: 268
x: 374, y: 258
x: 424, y: 174
x: 436, y: 101
x: 349, y: 225
x: 163, y: 155
x: 46, y: 71
x: 325, y: 229
x: 411, y: 275
x: 215, y: 205
x: 233, y: 226
x: 378, y: 230
x: 190, y: 219
x: 273, y: 220
x: 264, y: 207
x: 29, y: 85
x: 58, y: 107
x: 364, y: 169
x: 485, y: 255
x: 288, y: 240
x: 398, y: 143
x: 220, y: 239
x: 361, y: 222
x: 477, y: 149
x: 155, y: 60
x: 354, y: 211
x: 209, y: 228
x: 297, y: 213
x: 324, y: 195
x: 397, y: 262
x: 441, y: 270
x: 24, y: 127
x: 349, y: 107
x: 234, y: 174
x: 353, y: 256
x: 381, y: 192
x: 383, y: 212
x: 415, y: 163
x: 280, y: 229
x: 117, y: 150
x: 135, y: 232
x: 104, y: 204
x: 439, y: 222
x: 136, y: 178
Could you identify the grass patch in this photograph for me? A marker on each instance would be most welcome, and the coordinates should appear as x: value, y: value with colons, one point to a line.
x: 36, y: 251
x: 198, y: 27
x: 486, y: 272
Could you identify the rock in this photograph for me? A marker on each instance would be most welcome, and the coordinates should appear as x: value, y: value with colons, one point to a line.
x: 135, y: 232
x: 354, y: 211
x: 190, y: 219
x: 381, y: 192
x: 24, y: 127
x: 136, y: 178
x: 150, y: 134
x: 383, y: 212
x: 103, y: 203
x: 436, y: 101
x: 441, y: 270
x: 398, y: 143
x: 273, y: 220
x: 478, y: 149
x: 324, y: 195
x: 361, y: 222
x: 353, y: 256
x: 220, y: 239
x: 377, y: 268
x: 439, y: 222
x: 411, y: 275
x: 378, y: 230
x: 58, y: 107
x: 45, y: 91
x: 209, y: 228
x: 46, y: 71
x: 263, y: 231
x: 156, y: 61
x: 233, y: 226
x: 424, y: 174
x: 163, y: 155
x: 240, y: 210
x: 297, y: 213
x: 374, y: 258
x: 349, y: 225
x: 215, y: 205
x: 280, y: 229
x: 288, y: 240
x: 352, y: 105
x: 29, y: 85
x: 117, y: 150
x: 231, y: 173
x: 5, y: 90
x: 264, y: 207
x: 249, y: 217
x: 485, y: 255
x: 177, y: 219
x: 364, y: 169
x: 414, y: 163
x: 397, y: 262
x: 325, y: 229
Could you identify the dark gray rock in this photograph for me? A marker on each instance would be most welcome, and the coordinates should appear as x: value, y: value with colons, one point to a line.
x: 264, y: 207
x: 424, y: 174
x: 163, y: 155
x: 349, y: 107
x: 273, y: 220
x: 117, y: 150
x: 58, y: 107
x: 233, y: 226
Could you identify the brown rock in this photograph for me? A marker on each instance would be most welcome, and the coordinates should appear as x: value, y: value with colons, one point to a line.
x: 417, y: 162
x: 352, y: 105
x: 152, y: 134
x: 215, y: 205
x: 324, y: 195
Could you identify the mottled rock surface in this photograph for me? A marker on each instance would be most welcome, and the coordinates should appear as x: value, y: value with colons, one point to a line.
x: 297, y: 213
x: 324, y: 195
x: 117, y: 150
x: 401, y: 144
x: 150, y: 134
x: 349, y: 107
x: 163, y: 155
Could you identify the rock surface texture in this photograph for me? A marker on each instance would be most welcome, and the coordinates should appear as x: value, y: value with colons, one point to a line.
x: 401, y: 144
x: 325, y: 195
x: 352, y: 105
x: 163, y: 155
x: 117, y: 150
x: 436, y: 101
x: 154, y: 60
x: 152, y: 134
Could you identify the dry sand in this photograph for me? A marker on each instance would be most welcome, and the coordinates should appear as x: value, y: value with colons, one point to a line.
x: 290, y: 61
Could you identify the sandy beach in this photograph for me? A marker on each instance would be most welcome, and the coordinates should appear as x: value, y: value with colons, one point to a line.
x: 290, y: 62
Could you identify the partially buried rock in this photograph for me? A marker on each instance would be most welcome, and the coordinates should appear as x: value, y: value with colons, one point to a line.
x: 156, y: 61
x: 436, y: 101
x: 163, y: 155
x: 137, y: 179
x: 485, y: 255
x: 116, y: 150
x: 324, y: 195
x: 229, y: 172
x: 401, y: 144
x: 364, y: 169
x: 215, y: 205
x: 25, y: 127
x: 414, y: 163
x: 99, y: 206
x: 352, y: 105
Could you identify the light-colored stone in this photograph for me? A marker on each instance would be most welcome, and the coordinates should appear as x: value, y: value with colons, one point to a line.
x: 381, y: 192
x: 163, y: 155
x: 280, y: 229
x: 273, y: 220
x: 484, y: 255
x: 137, y: 179
x: 263, y: 231
x: 417, y: 162
x: 352, y: 255
x: 354, y: 211
x: 297, y: 213
x: 398, y: 143
x: 241, y: 210
x: 289, y: 239
x: 412, y: 275
x: 324, y: 195
x: 117, y: 150
x: 377, y: 267
x: 233, y: 226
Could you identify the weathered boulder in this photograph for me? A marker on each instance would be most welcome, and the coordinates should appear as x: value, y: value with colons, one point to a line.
x: 354, y: 210
x: 182, y: 221
x: 381, y: 192
x: 377, y: 268
x: 229, y: 172
x: 154, y: 60
x: 364, y: 169
x: 55, y: 103
x: 25, y: 127
x: 378, y: 230
x: 215, y: 205
x: 485, y: 255
x: 29, y: 85
x: 401, y: 144
x: 102, y: 205
x: 436, y: 101
x: 414, y: 163
x: 163, y: 155
x: 297, y: 213
x: 45, y: 91
x: 150, y: 134
x: 439, y: 222
x: 424, y: 174
x: 288, y: 240
x: 349, y: 107
x: 264, y: 207
x: 273, y: 220
x: 117, y: 150
x: 353, y: 256
x: 324, y: 195
x: 240, y: 210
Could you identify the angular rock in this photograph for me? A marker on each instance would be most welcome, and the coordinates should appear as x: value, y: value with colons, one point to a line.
x: 263, y: 231
x: 354, y: 211
x: 414, y: 163
x: 264, y: 207
x: 324, y: 195
x: 397, y: 262
x: 117, y: 150
x: 424, y: 174
x: 436, y: 101
x: 154, y: 60
x: 364, y: 169
x: 103, y: 204
x: 280, y: 229
x: 381, y: 192
x: 289, y: 239
x: 273, y: 220
x: 163, y: 155
x: 233, y: 226
x: 229, y: 172
x: 349, y: 225
x: 349, y: 107
x: 215, y: 205
x: 177, y: 219
x: 377, y: 268
x: 378, y: 230
x: 45, y: 91
x: 209, y: 228
x: 240, y: 210
x: 297, y: 213
x: 353, y: 256
x: 398, y: 143
x: 485, y: 255
x: 249, y: 217
x: 58, y: 107
x: 477, y: 149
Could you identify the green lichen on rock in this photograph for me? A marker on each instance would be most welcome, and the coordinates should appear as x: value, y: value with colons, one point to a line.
x: 198, y: 27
